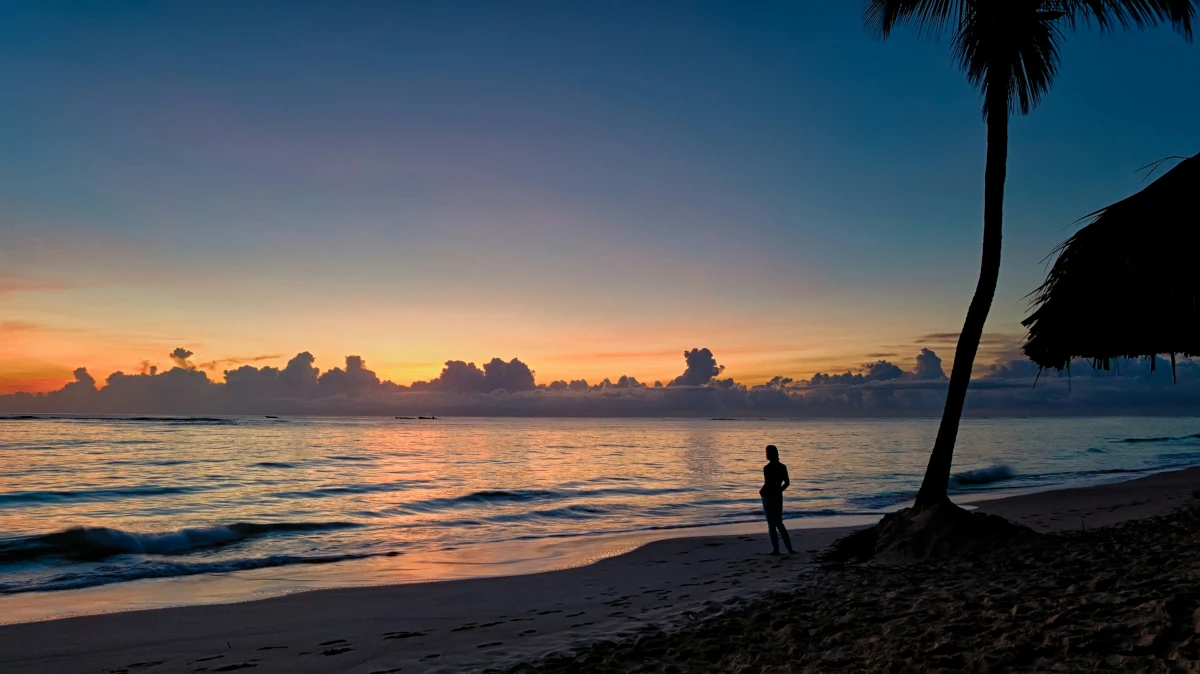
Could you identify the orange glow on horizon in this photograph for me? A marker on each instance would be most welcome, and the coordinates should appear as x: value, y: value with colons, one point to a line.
x: 746, y: 366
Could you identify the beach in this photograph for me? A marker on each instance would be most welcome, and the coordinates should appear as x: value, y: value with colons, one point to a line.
x: 712, y: 603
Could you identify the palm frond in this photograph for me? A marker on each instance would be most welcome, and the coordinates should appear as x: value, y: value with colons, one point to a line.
x: 1129, y: 14
x: 1009, y: 50
x: 932, y: 18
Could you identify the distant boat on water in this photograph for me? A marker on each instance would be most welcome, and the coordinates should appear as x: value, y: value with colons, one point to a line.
x: 406, y: 417
x: 271, y: 417
x: 427, y: 417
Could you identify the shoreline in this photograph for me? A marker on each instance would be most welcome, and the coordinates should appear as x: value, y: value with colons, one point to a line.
x: 469, y: 624
x: 480, y: 561
x: 475, y: 562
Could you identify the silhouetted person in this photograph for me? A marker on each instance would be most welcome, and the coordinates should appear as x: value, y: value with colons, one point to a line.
x: 775, y: 480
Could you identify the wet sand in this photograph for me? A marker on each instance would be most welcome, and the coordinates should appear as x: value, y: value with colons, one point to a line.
x: 712, y: 604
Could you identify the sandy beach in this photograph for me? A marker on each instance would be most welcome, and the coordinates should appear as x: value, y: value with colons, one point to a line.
x: 713, y: 603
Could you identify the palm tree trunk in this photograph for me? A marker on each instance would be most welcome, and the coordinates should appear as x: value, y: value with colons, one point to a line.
x: 937, y: 474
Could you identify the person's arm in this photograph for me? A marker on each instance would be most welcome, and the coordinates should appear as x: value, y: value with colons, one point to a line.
x: 786, y: 480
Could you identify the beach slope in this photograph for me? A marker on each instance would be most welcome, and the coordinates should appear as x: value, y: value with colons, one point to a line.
x: 706, y: 604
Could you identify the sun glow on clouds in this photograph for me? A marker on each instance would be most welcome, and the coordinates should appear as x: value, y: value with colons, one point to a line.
x: 523, y: 287
x: 126, y: 313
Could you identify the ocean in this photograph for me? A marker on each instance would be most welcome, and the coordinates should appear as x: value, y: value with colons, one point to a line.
x: 91, y: 502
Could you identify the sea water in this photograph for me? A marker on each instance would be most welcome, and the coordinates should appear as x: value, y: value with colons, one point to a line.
x: 88, y: 502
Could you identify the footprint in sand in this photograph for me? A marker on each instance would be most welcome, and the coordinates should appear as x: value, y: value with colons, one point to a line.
x: 402, y: 635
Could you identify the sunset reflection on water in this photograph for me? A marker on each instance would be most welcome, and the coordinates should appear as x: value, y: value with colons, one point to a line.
x: 427, y: 499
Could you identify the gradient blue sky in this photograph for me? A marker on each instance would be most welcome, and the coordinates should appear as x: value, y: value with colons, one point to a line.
x: 591, y: 187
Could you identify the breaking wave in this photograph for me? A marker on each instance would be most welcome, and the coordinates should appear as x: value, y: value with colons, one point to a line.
x: 168, y: 569
x: 981, y: 476
x: 1164, y: 438
x: 90, y: 544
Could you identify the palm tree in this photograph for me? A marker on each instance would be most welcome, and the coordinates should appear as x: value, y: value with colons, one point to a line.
x: 1008, y: 49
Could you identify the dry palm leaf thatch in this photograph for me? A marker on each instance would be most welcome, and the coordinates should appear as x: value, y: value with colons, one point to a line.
x: 1127, y: 284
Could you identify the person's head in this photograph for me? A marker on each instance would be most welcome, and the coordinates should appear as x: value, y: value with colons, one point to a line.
x: 772, y: 453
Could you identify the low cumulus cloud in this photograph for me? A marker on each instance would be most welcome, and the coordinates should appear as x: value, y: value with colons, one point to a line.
x: 509, y: 388
x: 929, y: 366
x: 180, y: 357
x: 461, y: 377
x: 880, y: 370
x: 701, y: 368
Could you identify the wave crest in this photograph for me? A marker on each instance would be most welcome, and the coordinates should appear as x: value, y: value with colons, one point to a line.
x: 981, y: 476
x: 1164, y: 438
x: 163, y: 569
x: 90, y: 544
x: 494, y: 495
x: 98, y: 494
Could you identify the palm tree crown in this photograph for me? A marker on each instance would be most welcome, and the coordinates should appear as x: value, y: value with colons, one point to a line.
x: 1009, y: 48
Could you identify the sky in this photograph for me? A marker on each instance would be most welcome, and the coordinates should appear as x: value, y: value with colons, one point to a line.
x: 590, y: 187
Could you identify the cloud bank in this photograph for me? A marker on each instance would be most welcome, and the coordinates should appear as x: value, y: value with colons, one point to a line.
x: 509, y: 388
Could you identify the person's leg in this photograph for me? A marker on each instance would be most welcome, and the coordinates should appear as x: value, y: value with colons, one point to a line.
x: 787, y: 540
x: 767, y: 510
x: 774, y: 508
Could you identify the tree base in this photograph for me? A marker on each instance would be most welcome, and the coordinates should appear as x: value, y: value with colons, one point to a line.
x: 937, y: 531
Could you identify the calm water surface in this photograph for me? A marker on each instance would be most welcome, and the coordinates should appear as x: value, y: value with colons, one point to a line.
x: 88, y: 502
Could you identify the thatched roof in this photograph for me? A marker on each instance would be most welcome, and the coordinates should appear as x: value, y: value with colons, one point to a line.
x: 1125, y: 285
